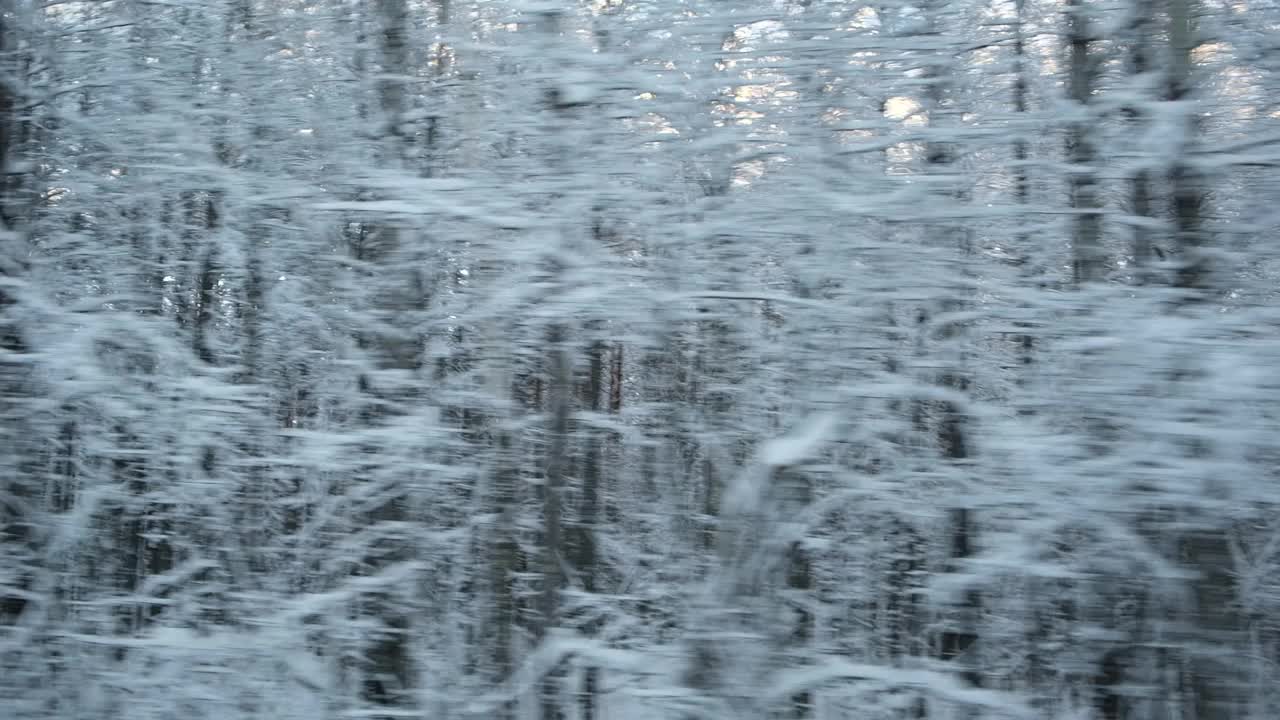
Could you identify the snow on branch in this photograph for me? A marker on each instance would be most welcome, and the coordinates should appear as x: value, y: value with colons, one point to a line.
x: 943, y: 686
x: 801, y: 444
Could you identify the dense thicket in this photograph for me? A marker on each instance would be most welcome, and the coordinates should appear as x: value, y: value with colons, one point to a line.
x: 639, y: 359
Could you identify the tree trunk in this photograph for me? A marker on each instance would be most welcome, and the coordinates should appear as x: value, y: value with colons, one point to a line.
x: 589, y: 513
x: 1087, y: 224
x: 1140, y: 31
x: 503, y: 565
x: 559, y: 397
x: 389, y: 679
x: 1185, y: 178
x: 18, y: 522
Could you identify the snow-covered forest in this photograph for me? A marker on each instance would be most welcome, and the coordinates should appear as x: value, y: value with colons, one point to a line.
x: 639, y: 359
